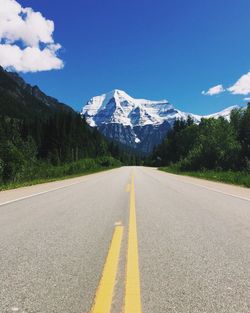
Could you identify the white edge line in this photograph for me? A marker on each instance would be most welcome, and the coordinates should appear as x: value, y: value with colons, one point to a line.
x: 222, y: 192
x: 43, y: 192
x: 39, y: 193
x: 208, y: 188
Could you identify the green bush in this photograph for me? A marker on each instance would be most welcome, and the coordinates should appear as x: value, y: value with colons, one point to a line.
x: 231, y: 177
x: 43, y: 171
x: 213, y: 149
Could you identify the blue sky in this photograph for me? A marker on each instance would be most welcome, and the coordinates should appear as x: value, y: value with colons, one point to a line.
x: 153, y: 49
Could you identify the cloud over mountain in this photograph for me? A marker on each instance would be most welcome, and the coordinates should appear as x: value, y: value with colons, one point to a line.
x: 242, y: 86
x: 214, y: 90
x: 26, y: 39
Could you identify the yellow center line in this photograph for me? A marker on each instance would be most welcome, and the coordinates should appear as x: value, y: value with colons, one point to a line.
x: 104, y: 294
x: 132, y: 302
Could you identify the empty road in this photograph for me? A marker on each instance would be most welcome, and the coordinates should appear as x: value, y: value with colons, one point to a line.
x: 128, y: 240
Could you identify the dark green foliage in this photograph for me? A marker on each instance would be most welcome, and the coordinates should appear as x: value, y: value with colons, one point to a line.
x: 231, y: 177
x: 44, y: 172
x: 125, y: 154
x: 63, y: 144
x: 22, y: 101
x: 214, y: 144
x: 41, y: 138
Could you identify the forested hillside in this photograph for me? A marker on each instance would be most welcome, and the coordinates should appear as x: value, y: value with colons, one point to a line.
x: 214, y: 144
x: 21, y: 100
x: 42, y: 138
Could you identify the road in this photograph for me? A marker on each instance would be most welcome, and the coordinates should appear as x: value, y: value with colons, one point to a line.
x: 128, y: 240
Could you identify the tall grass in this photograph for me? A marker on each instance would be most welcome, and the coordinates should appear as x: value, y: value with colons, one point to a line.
x: 45, y: 172
x: 236, y: 178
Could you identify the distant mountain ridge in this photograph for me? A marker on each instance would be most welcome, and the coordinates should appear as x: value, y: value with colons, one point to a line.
x: 139, y: 123
x: 19, y: 99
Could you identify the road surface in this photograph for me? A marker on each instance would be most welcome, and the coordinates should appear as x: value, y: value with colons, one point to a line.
x: 128, y: 240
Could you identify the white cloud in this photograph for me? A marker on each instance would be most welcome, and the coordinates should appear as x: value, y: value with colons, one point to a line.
x: 247, y: 99
x: 242, y: 86
x: 26, y: 39
x: 214, y: 90
x: 30, y: 59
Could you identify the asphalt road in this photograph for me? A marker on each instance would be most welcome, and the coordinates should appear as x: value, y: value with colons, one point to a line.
x: 192, y: 238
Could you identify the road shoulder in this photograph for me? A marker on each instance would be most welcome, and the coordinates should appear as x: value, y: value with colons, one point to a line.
x: 228, y: 189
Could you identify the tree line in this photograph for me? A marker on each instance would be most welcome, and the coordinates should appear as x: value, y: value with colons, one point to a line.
x: 213, y: 144
x: 52, y: 146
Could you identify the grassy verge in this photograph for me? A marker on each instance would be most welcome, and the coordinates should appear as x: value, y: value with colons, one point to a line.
x: 235, y: 178
x: 44, y: 173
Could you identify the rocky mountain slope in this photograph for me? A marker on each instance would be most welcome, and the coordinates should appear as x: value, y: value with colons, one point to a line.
x: 139, y: 123
x: 21, y: 100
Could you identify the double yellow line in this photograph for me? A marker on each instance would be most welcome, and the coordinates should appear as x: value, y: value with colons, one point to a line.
x: 104, y: 294
x: 132, y: 303
x: 105, y: 291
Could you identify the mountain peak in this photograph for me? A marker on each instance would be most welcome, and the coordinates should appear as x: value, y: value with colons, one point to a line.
x: 139, y: 123
x: 121, y: 94
x: 118, y: 92
x: 117, y: 106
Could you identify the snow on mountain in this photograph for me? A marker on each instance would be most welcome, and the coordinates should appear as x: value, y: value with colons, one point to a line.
x: 225, y: 113
x: 138, y: 123
x: 118, y: 107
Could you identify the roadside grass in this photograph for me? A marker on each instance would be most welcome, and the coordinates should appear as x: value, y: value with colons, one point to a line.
x: 230, y: 177
x: 44, y: 173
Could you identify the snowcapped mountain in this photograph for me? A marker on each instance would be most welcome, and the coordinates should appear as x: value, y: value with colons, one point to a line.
x: 138, y: 123
x: 118, y: 107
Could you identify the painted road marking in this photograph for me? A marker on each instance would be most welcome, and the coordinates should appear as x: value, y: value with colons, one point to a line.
x: 132, y: 302
x: 105, y: 290
x: 205, y: 187
x: 46, y: 191
x: 39, y: 193
x: 222, y: 192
